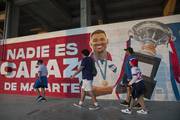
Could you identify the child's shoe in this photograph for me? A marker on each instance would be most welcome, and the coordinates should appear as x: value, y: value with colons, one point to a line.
x: 38, y: 98
x: 128, y: 111
x: 77, y: 105
x: 144, y: 112
x: 94, y: 107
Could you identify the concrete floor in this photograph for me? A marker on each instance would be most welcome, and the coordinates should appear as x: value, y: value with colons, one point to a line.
x: 16, y: 107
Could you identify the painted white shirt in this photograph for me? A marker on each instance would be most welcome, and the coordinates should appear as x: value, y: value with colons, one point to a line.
x: 110, y: 74
x: 111, y: 78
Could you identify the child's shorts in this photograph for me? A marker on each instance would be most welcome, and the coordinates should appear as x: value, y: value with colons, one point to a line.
x: 41, y: 83
x: 138, y: 89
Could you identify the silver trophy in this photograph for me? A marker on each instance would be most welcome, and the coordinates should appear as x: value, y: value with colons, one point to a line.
x: 151, y: 34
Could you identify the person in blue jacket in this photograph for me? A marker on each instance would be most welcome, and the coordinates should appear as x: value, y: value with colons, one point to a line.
x: 127, y: 74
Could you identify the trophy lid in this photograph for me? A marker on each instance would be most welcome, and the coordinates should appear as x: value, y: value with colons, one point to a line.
x: 151, y: 31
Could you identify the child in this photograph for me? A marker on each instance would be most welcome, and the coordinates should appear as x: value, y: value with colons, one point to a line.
x: 41, y: 81
x: 87, y: 76
x: 137, y: 88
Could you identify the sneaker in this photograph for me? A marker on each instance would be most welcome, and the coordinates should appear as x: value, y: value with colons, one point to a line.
x: 137, y: 106
x: 144, y: 112
x: 38, y: 98
x: 128, y: 111
x: 124, y: 103
x: 94, y: 107
x: 77, y: 105
x: 43, y: 99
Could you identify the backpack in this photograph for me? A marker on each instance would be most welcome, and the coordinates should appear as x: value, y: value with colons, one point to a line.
x: 94, y: 70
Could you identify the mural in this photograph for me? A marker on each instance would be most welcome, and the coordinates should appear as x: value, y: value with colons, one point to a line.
x: 155, y: 41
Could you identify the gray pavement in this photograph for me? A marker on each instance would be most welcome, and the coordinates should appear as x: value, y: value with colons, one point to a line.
x: 17, y: 107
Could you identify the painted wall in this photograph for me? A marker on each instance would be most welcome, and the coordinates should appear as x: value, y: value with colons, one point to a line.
x: 61, y: 52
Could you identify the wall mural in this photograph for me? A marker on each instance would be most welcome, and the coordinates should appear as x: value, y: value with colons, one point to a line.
x: 156, y: 45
